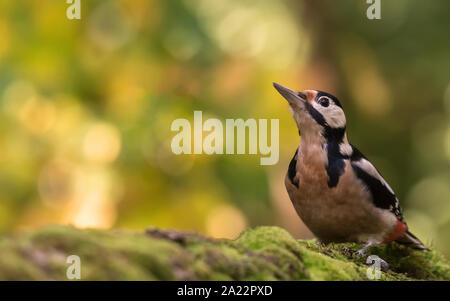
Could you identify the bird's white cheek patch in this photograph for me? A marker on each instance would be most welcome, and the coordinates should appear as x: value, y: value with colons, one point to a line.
x: 333, y: 115
x: 335, y: 118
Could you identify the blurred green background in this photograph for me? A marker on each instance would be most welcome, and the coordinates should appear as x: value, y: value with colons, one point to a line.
x: 86, y: 107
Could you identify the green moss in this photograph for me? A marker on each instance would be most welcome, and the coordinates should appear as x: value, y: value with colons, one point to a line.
x: 264, y: 253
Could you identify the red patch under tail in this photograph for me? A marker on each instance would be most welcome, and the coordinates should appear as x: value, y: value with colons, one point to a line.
x: 398, y: 232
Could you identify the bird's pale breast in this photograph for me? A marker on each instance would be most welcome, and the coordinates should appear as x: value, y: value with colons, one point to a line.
x: 341, y: 213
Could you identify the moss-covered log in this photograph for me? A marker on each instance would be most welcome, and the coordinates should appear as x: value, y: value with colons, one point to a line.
x: 264, y: 253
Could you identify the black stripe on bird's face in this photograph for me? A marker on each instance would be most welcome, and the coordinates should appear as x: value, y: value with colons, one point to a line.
x: 330, y: 133
x: 334, y: 137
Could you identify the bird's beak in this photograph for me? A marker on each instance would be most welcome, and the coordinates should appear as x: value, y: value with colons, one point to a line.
x: 290, y: 95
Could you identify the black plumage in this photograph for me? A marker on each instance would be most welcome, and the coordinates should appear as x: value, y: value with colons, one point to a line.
x: 336, y: 164
x: 381, y: 194
x: 292, y: 170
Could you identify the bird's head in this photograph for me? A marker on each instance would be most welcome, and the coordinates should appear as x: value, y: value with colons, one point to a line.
x: 315, y: 112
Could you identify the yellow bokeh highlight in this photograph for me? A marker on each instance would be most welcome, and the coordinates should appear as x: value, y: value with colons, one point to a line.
x: 225, y: 221
x: 368, y: 88
x: 93, y: 203
x: 37, y: 116
x: 101, y: 143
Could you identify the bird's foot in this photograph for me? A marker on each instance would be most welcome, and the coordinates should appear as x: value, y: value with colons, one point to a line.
x: 372, y: 259
x: 320, y: 244
x: 361, y: 253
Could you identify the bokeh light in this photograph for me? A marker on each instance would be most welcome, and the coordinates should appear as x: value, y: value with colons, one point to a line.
x: 101, y: 143
x: 225, y: 221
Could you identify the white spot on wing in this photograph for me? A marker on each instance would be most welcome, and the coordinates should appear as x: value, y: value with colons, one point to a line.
x: 371, y: 170
x: 345, y: 149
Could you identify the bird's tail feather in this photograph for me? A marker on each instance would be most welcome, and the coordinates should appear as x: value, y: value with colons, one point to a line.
x: 412, y: 241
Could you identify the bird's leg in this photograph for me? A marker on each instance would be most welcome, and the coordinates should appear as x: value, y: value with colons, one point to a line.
x: 361, y: 252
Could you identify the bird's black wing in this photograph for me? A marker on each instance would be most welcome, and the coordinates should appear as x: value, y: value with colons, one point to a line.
x: 382, y: 194
x: 292, y: 171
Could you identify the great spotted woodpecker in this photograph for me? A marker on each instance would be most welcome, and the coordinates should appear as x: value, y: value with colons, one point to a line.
x: 336, y: 191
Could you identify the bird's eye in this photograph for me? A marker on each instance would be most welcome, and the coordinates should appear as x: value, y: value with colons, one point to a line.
x: 324, y: 102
